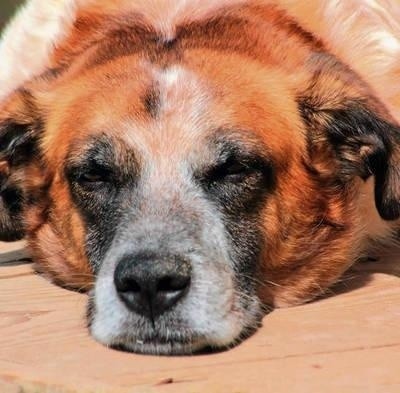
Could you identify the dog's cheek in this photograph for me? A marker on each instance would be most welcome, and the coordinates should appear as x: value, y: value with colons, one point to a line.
x: 246, y: 235
x: 247, y: 241
x: 101, y: 230
x: 100, y: 216
x: 312, y: 236
x: 57, y: 239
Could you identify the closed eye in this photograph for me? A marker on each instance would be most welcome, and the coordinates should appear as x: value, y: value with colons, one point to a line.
x: 93, y: 176
x: 239, y: 183
x: 231, y: 170
x: 236, y: 169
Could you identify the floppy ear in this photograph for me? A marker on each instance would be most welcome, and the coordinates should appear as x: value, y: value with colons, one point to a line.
x: 354, y: 136
x: 20, y: 125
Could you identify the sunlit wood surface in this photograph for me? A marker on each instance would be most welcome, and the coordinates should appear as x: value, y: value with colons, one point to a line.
x: 348, y: 342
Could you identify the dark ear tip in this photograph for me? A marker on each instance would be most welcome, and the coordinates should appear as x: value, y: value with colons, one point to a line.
x: 12, y: 236
x: 11, y: 228
x: 387, y: 189
x: 389, y: 210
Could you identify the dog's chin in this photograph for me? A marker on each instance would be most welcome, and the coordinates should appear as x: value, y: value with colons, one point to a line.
x: 162, y: 347
x: 176, y: 343
x: 172, y: 342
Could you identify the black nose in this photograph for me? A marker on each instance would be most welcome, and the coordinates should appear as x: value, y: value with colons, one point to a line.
x: 151, y: 284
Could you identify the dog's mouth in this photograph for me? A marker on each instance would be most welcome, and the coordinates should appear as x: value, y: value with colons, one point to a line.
x: 175, y: 344
x: 178, y: 341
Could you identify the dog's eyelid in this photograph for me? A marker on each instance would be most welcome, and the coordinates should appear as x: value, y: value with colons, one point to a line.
x: 98, y: 171
x: 236, y: 166
x: 89, y: 172
x: 235, y: 163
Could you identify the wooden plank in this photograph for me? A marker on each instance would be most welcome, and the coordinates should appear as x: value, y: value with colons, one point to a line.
x: 349, y: 342
x: 13, y: 252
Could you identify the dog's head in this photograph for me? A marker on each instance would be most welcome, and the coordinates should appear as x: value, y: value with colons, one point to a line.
x: 193, y: 177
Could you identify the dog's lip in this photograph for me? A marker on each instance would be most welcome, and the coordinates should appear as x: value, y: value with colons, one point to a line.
x: 161, y: 345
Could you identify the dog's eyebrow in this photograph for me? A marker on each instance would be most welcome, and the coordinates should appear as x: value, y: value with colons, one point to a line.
x: 239, y: 143
x: 96, y: 149
x: 104, y: 151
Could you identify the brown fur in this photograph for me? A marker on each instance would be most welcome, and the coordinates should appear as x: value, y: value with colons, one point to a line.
x: 312, y: 224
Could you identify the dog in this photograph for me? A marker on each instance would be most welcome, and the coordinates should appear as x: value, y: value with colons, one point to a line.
x: 191, y: 163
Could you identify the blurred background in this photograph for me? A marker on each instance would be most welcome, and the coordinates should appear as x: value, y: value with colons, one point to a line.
x: 7, y: 9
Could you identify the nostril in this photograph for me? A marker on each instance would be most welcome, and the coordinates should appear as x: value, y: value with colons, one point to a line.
x: 173, y: 284
x: 129, y: 285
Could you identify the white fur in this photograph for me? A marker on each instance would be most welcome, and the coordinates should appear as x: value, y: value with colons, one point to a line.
x: 28, y: 41
x: 375, y: 54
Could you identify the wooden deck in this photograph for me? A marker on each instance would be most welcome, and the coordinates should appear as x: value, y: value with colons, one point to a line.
x: 349, y: 342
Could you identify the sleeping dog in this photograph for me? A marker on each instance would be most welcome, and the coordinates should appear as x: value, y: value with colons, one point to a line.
x: 190, y: 163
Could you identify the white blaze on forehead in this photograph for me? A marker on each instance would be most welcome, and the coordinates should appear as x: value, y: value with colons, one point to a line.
x: 181, y: 93
x: 172, y: 140
x: 184, y: 111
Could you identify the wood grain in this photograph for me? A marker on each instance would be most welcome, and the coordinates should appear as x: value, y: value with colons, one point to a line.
x: 347, y: 342
x: 13, y: 252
